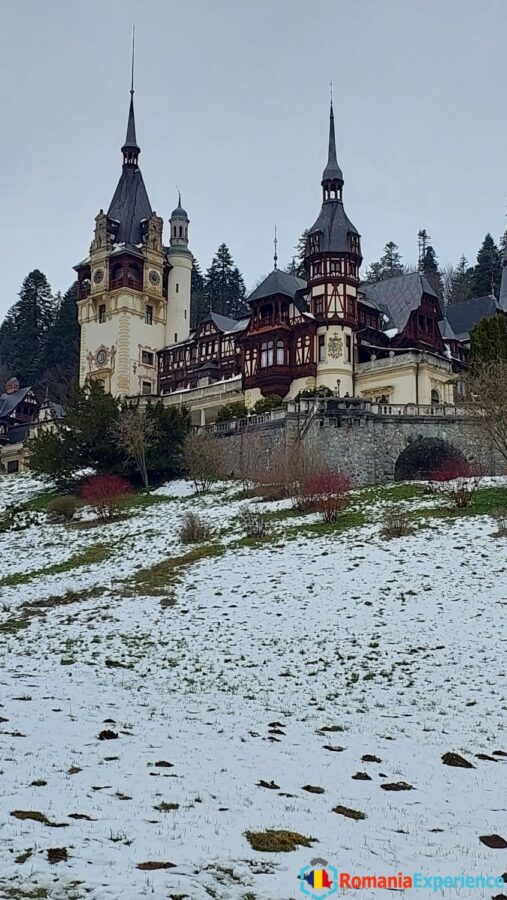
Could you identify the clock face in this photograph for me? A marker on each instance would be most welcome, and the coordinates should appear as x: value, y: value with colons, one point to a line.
x: 154, y: 277
x: 98, y: 275
x: 101, y: 357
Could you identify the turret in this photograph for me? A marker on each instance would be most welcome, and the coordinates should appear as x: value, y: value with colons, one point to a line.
x: 179, y: 258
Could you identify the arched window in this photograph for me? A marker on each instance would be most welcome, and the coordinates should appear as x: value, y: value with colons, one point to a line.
x: 435, y: 397
x: 280, y: 353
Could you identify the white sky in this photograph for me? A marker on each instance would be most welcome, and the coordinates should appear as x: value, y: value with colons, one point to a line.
x: 232, y: 105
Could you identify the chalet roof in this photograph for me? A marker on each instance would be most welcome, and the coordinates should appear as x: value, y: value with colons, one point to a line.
x: 9, y: 402
x: 398, y: 297
x: 129, y: 206
x: 277, y: 282
x: 223, y: 323
x: 335, y: 227
x: 463, y: 316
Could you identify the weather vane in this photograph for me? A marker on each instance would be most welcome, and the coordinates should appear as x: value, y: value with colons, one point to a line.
x: 275, y: 242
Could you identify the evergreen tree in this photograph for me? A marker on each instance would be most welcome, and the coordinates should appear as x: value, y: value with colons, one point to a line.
x: 459, y: 282
x: 297, y: 264
x: 429, y: 268
x: 224, y: 285
x: 488, y: 340
x: 198, y: 300
x: 488, y: 270
x: 24, y: 331
x: 61, y: 352
x: 388, y: 266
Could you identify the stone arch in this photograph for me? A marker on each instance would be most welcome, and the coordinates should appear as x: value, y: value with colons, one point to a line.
x: 422, y: 456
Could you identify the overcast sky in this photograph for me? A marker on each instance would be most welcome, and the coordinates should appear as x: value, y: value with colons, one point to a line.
x: 231, y: 104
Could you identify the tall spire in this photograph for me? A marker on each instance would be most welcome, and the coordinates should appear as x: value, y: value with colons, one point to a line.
x: 332, y: 172
x: 275, y: 255
x: 131, y: 149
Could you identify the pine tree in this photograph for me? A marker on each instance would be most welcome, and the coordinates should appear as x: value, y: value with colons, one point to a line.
x: 388, y: 266
x: 24, y: 331
x: 488, y: 340
x: 429, y: 268
x: 198, y: 300
x: 225, y: 288
x: 459, y: 282
x: 297, y: 264
x: 61, y: 352
x: 488, y: 270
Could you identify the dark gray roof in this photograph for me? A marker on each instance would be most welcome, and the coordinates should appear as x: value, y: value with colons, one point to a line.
x: 226, y: 324
x: 463, y: 316
x: 398, y: 297
x: 277, y: 282
x: 335, y: 227
x: 130, y: 140
x: 9, y: 402
x: 446, y: 330
x: 130, y: 205
x: 332, y: 172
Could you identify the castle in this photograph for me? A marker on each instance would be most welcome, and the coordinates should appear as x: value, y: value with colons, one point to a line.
x: 387, y: 341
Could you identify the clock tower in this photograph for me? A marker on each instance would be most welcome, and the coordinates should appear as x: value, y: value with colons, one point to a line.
x: 133, y: 293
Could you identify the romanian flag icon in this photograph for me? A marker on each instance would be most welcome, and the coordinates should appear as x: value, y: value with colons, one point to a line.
x: 318, y: 878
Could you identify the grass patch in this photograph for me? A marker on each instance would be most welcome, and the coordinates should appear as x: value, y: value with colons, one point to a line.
x: 17, y: 893
x: 97, y: 553
x: 157, y: 580
x: 355, y: 814
x: 394, y: 492
x: 277, y: 841
x: 352, y: 518
x: 486, y: 501
x: 12, y: 626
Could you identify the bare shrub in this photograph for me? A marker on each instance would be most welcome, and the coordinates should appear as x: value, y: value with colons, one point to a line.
x: 325, y: 492
x: 500, y: 517
x: 105, y: 493
x: 283, y: 475
x: 203, y: 460
x: 253, y: 523
x: 193, y: 529
x: 458, y: 482
x: 63, y: 509
x: 486, y: 401
x: 395, y: 524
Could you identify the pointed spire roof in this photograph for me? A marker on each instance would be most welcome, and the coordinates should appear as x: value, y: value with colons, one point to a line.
x: 130, y: 140
x: 332, y: 172
x: 130, y: 204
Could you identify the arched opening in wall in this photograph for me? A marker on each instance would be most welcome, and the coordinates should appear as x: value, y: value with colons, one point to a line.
x: 435, y: 397
x: 424, y: 456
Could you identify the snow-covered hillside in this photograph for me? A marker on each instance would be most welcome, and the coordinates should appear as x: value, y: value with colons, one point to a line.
x: 157, y: 715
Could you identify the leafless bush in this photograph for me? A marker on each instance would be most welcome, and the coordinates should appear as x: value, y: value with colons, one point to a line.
x: 458, y: 482
x: 203, y: 460
x: 396, y: 523
x: 63, y: 509
x: 253, y: 523
x: 283, y: 475
x: 325, y: 492
x: 193, y: 529
x: 500, y: 517
x: 486, y: 401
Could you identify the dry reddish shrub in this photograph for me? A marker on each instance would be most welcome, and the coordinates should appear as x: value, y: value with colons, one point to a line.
x: 325, y: 492
x: 104, y: 494
x: 458, y: 481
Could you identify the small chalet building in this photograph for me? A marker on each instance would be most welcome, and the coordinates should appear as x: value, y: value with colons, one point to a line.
x: 18, y: 409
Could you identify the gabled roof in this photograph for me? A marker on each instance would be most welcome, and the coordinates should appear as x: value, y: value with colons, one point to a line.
x: 335, y: 227
x: 463, y: 316
x: 9, y: 402
x: 224, y: 324
x: 129, y: 206
x: 398, y: 297
x: 277, y: 282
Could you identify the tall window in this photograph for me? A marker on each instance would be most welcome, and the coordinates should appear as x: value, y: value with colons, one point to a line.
x: 348, y: 348
x: 146, y: 387
x: 102, y: 313
x: 280, y: 353
x: 435, y: 397
x: 322, y: 347
x: 148, y: 315
x: 266, y: 354
x: 147, y: 358
x: 319, y: 305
